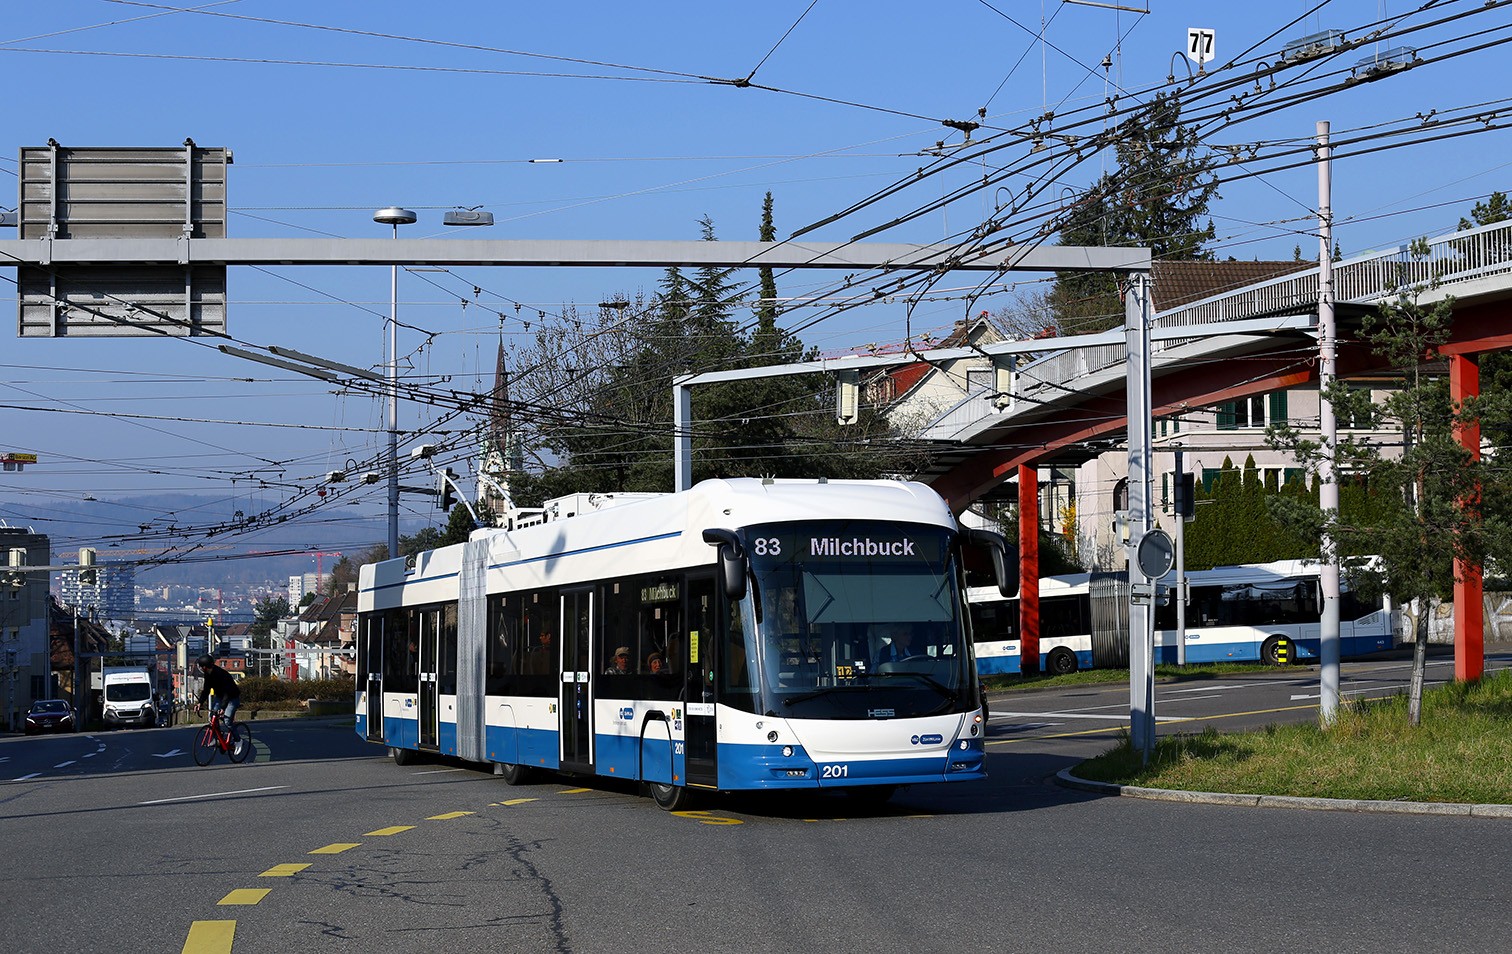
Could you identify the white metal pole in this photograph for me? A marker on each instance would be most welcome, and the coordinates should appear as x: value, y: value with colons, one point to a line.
x: 1179, y: 585
x: 1141, y: 595
x: 1328, y: 487
x: 393, y: 409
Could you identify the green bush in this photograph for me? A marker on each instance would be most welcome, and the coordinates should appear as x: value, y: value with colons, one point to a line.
x: 266, y: 691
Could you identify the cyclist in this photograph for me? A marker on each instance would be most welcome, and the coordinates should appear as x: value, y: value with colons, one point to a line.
x: 227, y: 694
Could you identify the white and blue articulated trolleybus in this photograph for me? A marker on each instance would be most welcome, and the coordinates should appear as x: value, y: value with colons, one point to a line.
x: 742, y: 635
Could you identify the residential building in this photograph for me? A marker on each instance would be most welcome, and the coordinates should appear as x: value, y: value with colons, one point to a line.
x: 25, y: 666
x: 111, y: 597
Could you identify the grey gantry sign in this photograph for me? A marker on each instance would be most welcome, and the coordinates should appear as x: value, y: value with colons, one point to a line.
x: 114, y: 196
x: 132, y: 242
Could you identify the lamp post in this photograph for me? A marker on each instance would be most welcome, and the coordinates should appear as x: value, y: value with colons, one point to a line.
x: 395, y: 217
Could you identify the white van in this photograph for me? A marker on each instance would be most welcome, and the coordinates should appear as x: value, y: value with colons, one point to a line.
x: 129, y: 697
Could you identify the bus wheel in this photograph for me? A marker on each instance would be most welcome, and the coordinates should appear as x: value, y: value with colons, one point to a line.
x: 670, y: 798
x: 512, y: 774
x: 404, y: 756
x: 1270, y: 652
x: 1061, y: 661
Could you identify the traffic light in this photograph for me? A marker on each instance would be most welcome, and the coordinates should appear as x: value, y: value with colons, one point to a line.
x: 1186, y: 495
x: 14, y: 577
x: 88, y: 575
x: 446, y: 490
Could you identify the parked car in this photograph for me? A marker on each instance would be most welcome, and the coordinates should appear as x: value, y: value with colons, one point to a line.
x: 50, y: 715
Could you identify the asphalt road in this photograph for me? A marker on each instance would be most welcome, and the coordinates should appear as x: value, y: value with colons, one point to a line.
x: 118, y: 843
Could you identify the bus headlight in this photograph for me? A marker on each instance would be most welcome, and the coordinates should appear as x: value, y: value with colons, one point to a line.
x: 772, y: 736
x: 962, y: 745
x: 974, y: 728
x: 787, y: 751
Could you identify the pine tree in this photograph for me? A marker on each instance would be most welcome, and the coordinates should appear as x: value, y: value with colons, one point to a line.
x: 1157, y: 198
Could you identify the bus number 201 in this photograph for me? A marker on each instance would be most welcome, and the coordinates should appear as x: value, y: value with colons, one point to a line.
x: 834, y: 771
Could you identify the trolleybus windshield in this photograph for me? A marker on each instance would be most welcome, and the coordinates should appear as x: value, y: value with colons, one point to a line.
x: 857, y: 620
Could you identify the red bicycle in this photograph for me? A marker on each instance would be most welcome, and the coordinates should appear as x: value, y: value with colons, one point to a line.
x: 236, y: 742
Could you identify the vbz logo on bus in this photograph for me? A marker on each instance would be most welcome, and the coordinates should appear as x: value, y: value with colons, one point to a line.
x: 627, y: 713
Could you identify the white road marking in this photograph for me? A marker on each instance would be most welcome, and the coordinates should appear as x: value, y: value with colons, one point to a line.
x: 65, y: 764
x: 190, y: 798
x: 27, y: 777
x: 1247, y: 685
x: 439, y: 772
x: 167, y: 755
x: 1079, y: 715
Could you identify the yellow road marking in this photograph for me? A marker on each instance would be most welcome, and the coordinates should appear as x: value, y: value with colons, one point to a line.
x: 708, y: 818
x: 283, y: 871
x: 391, y: 830
x: 449, y: 816
x: 1124, y: 726
x: 575, y: 791
x: 245, y: 896
x: 210, y: 937
x: 517, y: 801
x: 337, y: 848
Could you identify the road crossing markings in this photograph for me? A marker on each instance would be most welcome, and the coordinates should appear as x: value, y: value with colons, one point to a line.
x: 449, y: 816
x: 337, y: 848
x: 283, y: 871
x: 210, y: 937
x: 245, y: 896
x: 391, y: 830
x: 1169, y: 719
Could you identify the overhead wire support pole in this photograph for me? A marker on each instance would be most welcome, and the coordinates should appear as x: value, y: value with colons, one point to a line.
x: 1141, y: 587
x: 1328, y: 485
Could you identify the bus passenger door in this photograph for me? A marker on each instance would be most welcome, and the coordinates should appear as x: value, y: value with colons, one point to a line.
x: 577, y: 680
x: 372, y: 659
x: 430, y: 703
x: 703, y: 648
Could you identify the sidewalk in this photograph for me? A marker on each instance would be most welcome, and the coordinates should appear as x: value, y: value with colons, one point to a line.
x: 1065, y: 779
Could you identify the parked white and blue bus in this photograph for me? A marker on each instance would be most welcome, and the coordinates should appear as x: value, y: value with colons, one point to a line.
x: 742, y: 635
x: 1261, y: 612
x: 1065, y: 627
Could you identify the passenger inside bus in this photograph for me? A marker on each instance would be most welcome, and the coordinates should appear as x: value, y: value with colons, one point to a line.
x: 619, y: 665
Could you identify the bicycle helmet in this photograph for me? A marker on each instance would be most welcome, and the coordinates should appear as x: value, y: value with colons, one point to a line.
x: 207, y: 660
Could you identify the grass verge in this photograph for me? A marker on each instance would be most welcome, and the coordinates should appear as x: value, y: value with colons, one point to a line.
x: 1461, y: 752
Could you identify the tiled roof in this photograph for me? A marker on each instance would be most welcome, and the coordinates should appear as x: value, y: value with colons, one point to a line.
x: 1180, y: 283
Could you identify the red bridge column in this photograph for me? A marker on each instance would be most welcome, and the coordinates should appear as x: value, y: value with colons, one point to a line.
x: 1029, y: 610
x: 1469, y: 607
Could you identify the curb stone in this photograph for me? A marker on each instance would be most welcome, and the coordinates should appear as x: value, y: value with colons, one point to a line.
x: 1065, y: 779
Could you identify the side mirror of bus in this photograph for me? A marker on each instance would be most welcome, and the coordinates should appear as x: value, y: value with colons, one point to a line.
x: 1007, y: 583
x: 732, y: 561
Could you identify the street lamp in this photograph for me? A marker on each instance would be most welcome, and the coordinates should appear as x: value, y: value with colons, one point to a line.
x: 395, y: 217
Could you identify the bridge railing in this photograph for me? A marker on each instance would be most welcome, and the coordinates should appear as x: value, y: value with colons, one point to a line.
x: 1363, y: 279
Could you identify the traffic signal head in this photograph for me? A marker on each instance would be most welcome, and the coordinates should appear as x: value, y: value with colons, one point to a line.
x: 446, y: 490
x: 88, y: 575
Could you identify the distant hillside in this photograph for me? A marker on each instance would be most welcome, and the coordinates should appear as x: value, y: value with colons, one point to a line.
x: 114, y: 528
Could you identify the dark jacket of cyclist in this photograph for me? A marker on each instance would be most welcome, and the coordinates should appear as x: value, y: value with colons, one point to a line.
x: 218, y: 681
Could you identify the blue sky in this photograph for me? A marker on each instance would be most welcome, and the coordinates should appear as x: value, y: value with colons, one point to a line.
x: 343, y: 108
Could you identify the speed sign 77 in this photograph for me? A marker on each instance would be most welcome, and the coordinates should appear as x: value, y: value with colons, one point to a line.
x: 1199, y: 44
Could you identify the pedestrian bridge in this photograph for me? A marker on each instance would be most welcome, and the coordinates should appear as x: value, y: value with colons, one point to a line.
x: 1067, y: 398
